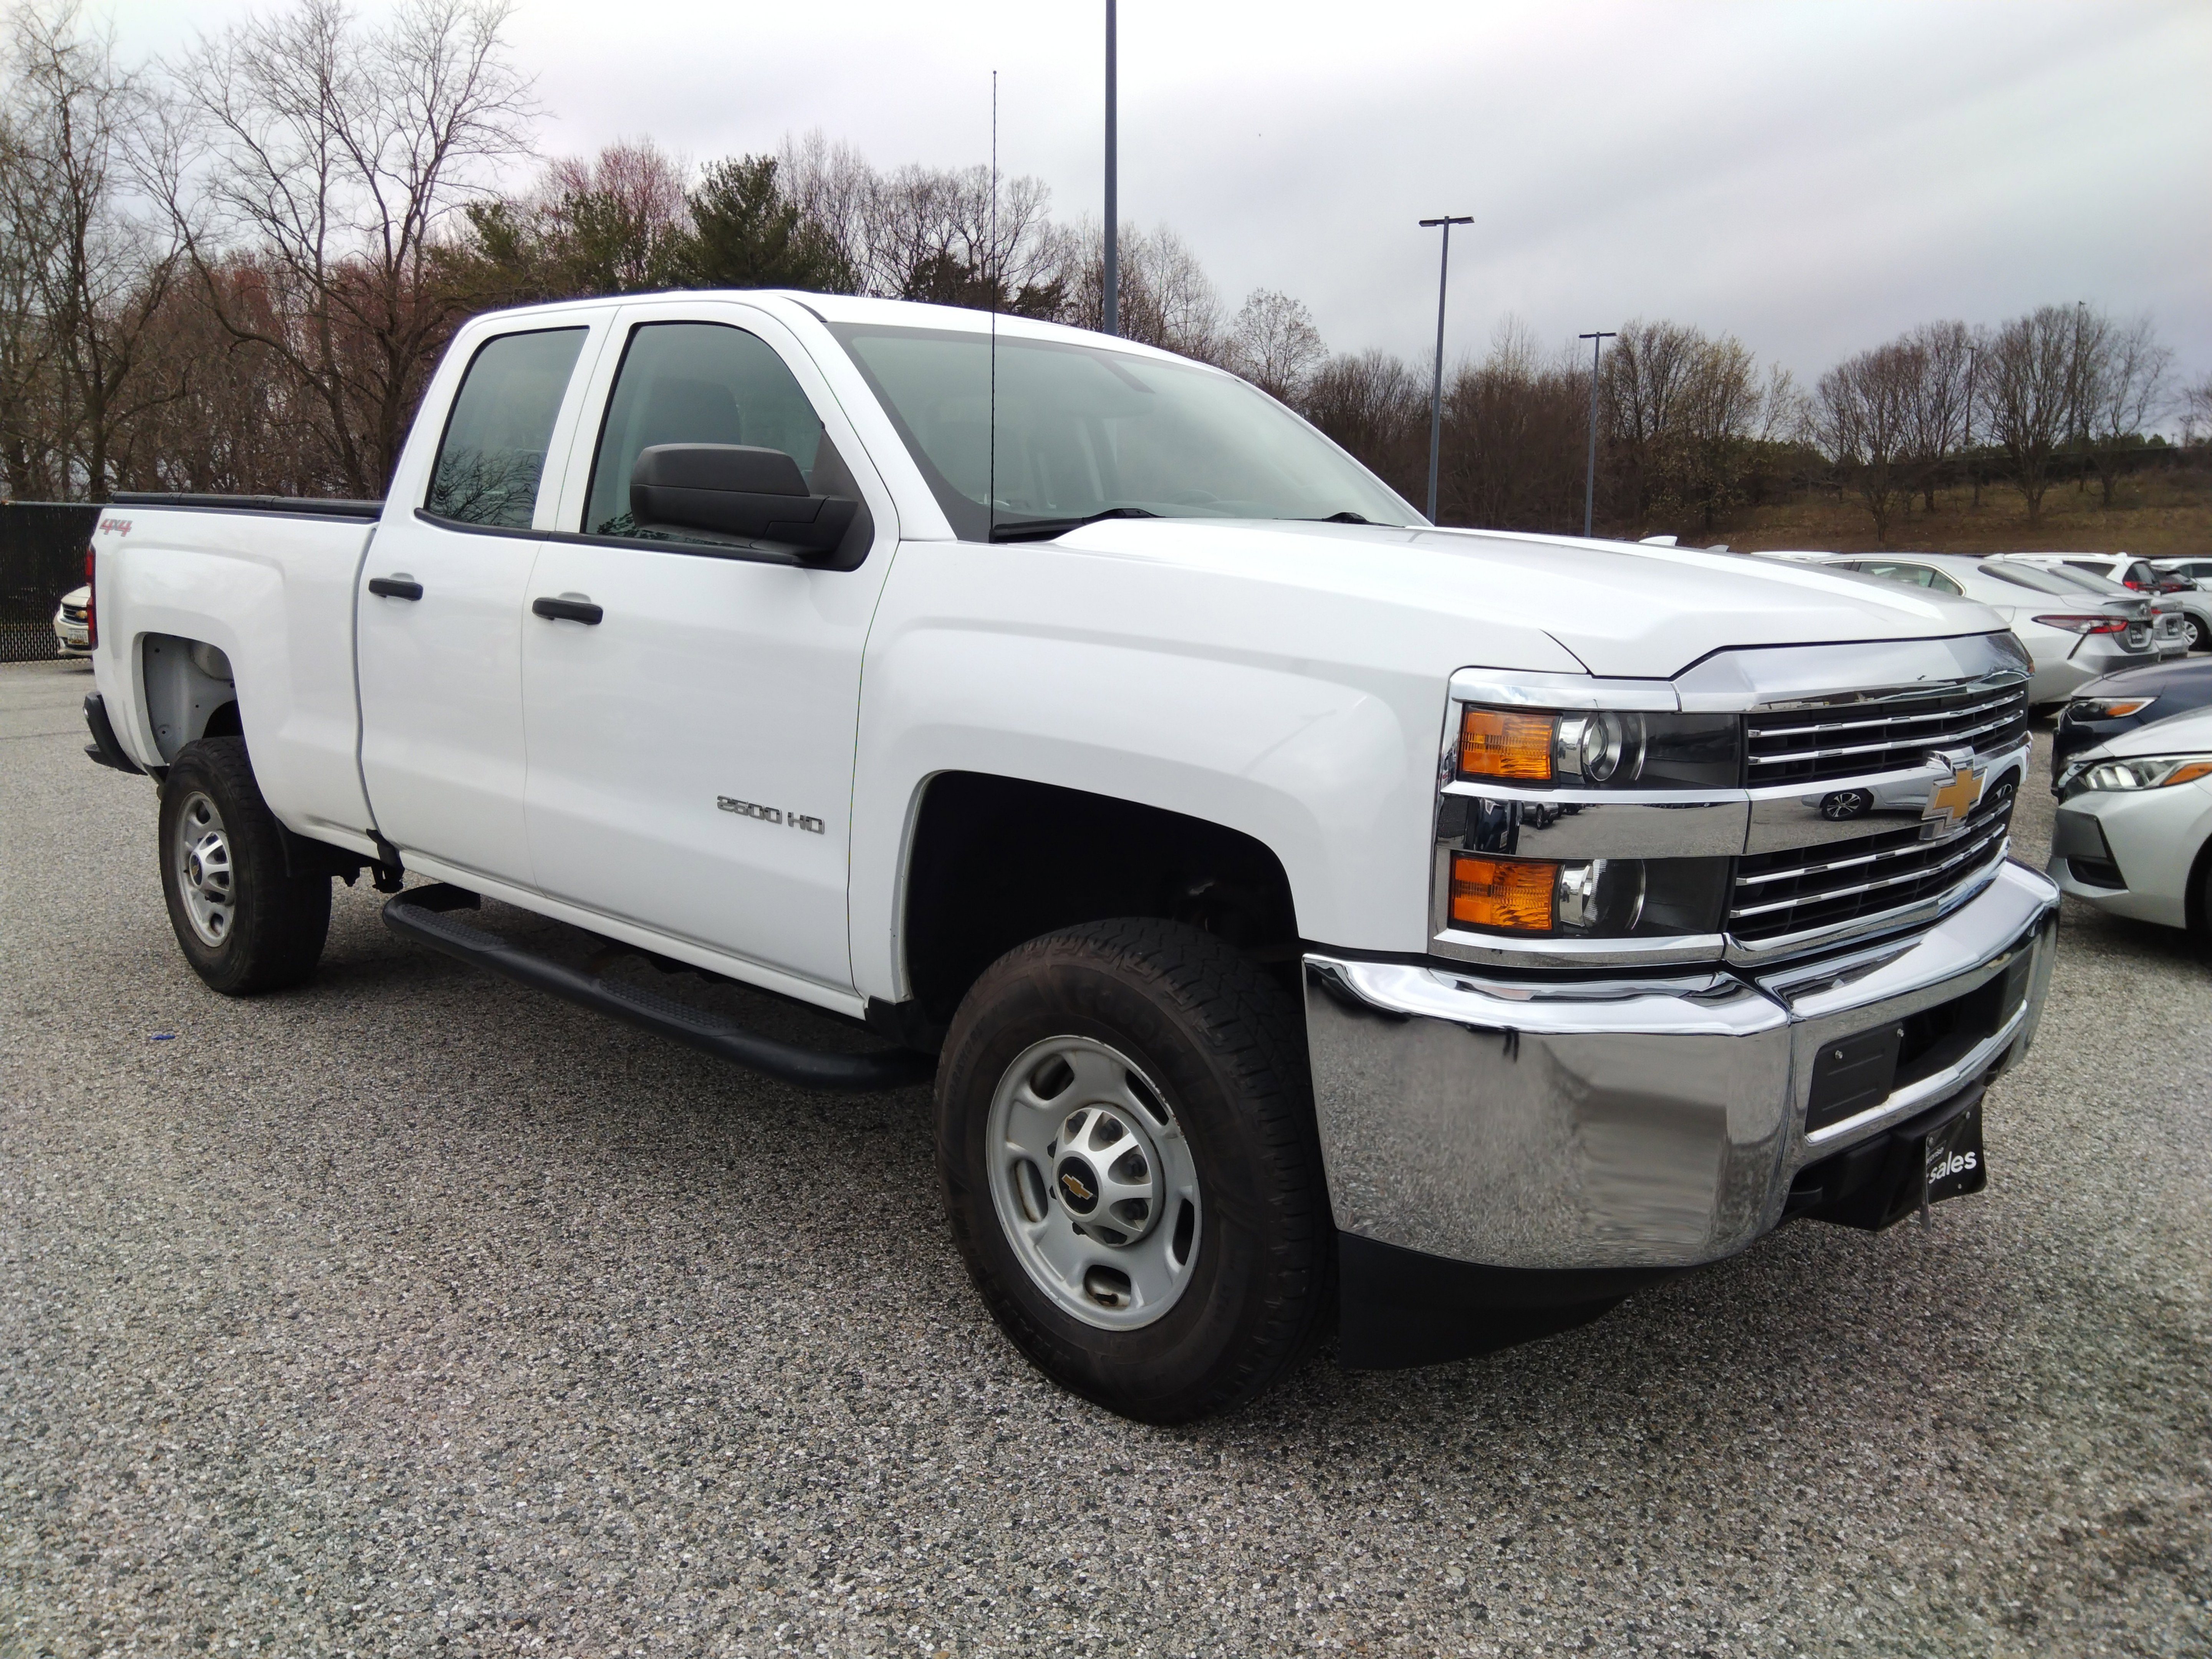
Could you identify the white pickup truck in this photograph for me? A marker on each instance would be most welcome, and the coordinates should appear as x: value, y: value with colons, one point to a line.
x: 1316, y: 922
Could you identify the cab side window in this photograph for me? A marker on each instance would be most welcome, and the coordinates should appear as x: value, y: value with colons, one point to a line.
x: 493, y: 452
x: 701, y: 383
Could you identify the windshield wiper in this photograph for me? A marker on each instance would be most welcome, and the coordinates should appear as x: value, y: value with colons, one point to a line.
x: 1043, y: 530
x: 1346, y: 517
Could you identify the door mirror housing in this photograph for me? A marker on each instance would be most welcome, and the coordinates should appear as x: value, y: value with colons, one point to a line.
x: 735, y: 489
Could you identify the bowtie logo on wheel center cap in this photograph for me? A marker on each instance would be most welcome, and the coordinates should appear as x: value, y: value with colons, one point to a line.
x: 1078, y: 1185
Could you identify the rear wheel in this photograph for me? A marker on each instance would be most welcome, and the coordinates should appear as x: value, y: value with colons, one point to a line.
x: 242, y: 922
x: 1126, y: 1137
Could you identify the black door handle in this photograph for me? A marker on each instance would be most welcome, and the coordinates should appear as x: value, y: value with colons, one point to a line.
x: 579, y: 610
x: 394, y: 587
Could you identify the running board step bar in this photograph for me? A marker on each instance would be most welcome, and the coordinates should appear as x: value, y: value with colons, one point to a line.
x: 424, y: 915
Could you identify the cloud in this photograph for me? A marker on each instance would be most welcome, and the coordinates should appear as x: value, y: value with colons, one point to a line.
x: 1813, y: 178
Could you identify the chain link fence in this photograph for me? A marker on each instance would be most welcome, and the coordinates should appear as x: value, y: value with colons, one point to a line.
x: 42, y: 547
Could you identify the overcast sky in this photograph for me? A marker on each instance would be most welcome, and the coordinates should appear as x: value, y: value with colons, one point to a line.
x: 1813, y: 178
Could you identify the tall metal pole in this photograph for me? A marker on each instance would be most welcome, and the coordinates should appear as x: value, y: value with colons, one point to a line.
x: 1436, y: 394
x: 1590, y: 479
x: 1110, y: 306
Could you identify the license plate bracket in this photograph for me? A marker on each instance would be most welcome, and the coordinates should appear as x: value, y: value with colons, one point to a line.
x: 1879, y: 1182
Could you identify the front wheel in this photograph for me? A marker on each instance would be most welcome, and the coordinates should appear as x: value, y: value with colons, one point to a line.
x: 243, y: 923
x: 2193, y: 628
x: 1126, y: 1137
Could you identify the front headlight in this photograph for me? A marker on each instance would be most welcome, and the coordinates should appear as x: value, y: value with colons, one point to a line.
x: 2107, y: 708
x: 1604, y: 750
x: 1588, y: 899
x: 2148, y: 772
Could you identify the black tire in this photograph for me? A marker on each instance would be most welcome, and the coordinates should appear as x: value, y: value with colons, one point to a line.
x: 2193, y: 630
x: 267, y: 932
x: 1226, y: 1047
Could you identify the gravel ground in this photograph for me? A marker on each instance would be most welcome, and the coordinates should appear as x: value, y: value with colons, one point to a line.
x: 412, y: 1313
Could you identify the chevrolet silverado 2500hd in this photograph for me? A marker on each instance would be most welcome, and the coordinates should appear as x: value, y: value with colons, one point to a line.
x: 1306, y: 914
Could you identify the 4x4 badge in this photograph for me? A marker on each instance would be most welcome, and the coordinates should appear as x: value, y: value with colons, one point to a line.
x: 1953, y: 799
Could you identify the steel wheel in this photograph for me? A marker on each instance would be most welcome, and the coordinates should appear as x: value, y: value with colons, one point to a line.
x: 205, y: 881
x: 1094, y: 1182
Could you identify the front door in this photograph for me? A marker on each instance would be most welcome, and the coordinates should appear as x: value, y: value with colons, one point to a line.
x: 692, y: 747
x: 440, y: 616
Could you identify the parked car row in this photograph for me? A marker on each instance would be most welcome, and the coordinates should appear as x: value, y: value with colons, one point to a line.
x: 2076, y: 624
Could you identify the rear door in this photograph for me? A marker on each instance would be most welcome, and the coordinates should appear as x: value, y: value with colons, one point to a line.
x: 440, y: 612
x: 691, y: 749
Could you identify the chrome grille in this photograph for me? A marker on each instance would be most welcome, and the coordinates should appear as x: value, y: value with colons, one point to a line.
x: 1850, y: 738
x: 1775, y: 894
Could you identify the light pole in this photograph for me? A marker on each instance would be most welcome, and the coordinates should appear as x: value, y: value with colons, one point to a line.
x: 1436, y: 396
x: 1110, y: 307
x: 1590, y: 479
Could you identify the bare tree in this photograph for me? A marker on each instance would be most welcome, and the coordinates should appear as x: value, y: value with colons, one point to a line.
x: 1377, y: 408
x: 1936, y: 418
x: 1165, y: 297
x: 1515, y: 425
x: 831, y: 186
x: 34, y: 423
x: 1647, y: 378
x: 1274, y: 344
x: 1684, y: 414
x: 2124, y: 392
x: 1865, y: 422
x: 2029, y: 389
x: 339, y: 156
x: 2196, y: 410
x: 97, y: 272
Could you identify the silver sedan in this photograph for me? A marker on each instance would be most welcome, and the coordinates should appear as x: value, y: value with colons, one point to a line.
x: 2073, y: 626
x: 2135, y: 819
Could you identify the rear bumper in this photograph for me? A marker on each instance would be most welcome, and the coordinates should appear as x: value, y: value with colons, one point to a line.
x: 1636, y: 1125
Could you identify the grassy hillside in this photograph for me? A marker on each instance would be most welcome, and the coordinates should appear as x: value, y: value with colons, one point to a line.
x: 2161, y: 516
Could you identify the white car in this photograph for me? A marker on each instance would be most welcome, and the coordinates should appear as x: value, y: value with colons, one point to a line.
x: 73, y: 624
x: 2074, y: 625
x: 2134, y: 815
x: 2191, y: 609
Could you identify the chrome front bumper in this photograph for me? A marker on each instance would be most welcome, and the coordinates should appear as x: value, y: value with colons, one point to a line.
x: 1651, y: 1120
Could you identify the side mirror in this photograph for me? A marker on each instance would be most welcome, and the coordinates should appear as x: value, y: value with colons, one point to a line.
x: 738, y: 490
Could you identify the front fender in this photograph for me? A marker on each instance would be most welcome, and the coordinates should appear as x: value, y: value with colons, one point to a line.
x: 1234, y: 702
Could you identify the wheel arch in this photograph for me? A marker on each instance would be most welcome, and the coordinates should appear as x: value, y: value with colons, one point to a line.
x: 993, y: 861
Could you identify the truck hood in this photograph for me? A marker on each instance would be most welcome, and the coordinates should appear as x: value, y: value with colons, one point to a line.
x: 1623, y: 609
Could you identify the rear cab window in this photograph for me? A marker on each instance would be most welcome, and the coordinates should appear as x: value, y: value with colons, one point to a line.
x: 491, y: 458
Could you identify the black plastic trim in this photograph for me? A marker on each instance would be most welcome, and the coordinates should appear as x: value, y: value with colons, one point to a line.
x: 1398, y: 1308
x: 105, y: 748
x: 513, y: 532
x: 421, y: 914
x: 288, y: 506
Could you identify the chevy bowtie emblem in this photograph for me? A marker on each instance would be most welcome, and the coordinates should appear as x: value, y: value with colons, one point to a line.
x: 1075, y: 1186
x: 1953, y: 799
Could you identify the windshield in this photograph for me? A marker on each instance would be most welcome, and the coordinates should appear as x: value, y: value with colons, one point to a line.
x: 1083, y: 432
x: 2066, y: 583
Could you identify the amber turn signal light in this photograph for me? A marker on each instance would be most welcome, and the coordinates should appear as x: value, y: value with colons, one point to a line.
x: 1495, y: 743
x: 1514, y: 893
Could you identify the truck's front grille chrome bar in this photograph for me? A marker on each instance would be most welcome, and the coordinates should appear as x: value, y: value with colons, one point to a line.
x: 1802, y: 888
x: 1786, y: 746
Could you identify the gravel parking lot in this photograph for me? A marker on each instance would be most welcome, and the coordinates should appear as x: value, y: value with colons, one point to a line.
x: 414, y: 1313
